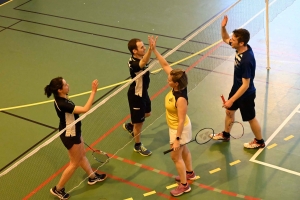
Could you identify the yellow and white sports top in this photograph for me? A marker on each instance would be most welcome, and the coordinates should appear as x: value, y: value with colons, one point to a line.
x: 171, y: 109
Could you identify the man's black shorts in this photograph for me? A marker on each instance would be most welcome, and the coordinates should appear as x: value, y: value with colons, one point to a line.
x: 139, y: 106
x: 246, y: 106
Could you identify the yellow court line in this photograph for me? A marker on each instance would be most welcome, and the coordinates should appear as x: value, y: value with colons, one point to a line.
x: 129, y: 198
x: 172, y: 186
x: 150, y: 193
x: 272, y: 146
x: 6, y: 3
x: 289, y: 137
x: 72, y: 96
x: 215, y: 170
x: 113, y: 85
x: 234, y: 163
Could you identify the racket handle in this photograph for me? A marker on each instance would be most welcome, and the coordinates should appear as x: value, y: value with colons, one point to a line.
x: 168, y: 151
x: 223, y: 99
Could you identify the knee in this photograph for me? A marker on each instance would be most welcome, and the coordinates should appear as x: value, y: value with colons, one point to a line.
x: 229, y: 113
x: 175, y: 158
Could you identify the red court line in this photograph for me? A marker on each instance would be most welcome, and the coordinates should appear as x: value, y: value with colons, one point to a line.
x: 207, y: 187
x: 45, y: 182
x: 137, y: 185
x: 119, y: 123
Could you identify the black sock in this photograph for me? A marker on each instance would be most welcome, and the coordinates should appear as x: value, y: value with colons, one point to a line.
x: 184, y: 184
x: 137, y: 144
x: 225, y: 134
x: 260, y: 141
x: 189, y: 172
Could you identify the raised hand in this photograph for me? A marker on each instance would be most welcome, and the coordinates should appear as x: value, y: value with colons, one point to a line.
x: 94, y: 85
x: 152, y: 42
x: 224, y: 21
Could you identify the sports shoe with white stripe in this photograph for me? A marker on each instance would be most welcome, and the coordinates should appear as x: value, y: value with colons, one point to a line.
x: 61, y: 194
x: 254, y: 144
x: 98, y: 178
x: 142, y: 150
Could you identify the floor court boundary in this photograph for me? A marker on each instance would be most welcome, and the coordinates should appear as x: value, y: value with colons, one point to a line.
x: 253, y: 158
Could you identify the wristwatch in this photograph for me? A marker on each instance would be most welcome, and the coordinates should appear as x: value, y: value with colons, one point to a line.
x: 178, y: 138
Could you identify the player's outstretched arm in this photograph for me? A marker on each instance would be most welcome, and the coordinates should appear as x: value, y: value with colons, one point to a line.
x: 162, y: 61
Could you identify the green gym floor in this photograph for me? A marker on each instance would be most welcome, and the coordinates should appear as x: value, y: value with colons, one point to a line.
x: 87, y: 39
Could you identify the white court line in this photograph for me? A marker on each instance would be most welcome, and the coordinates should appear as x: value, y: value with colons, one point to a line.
x: 252, y: 159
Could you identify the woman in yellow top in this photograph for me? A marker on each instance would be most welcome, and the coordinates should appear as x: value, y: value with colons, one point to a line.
x: 180, y: 129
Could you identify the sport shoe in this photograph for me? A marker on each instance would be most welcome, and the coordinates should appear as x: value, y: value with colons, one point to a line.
x: 219, y: 136
x: 180, y: 190
x: 254, y: 145
x: 142, y: 150
x: 61, y: 194
x: 129, y: 127
x: 191, y: 176
x: 98, y: 178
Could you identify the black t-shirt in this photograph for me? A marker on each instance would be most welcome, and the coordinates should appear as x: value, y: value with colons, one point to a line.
x: 64, y: 109
x: 140, y: 85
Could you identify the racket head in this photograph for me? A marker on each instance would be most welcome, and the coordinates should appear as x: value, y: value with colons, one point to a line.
x: 204, y: 135
x: 237, y: 130
x: 100, y: 156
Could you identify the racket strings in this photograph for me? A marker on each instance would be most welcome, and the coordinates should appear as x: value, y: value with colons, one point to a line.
x: 204, y: 135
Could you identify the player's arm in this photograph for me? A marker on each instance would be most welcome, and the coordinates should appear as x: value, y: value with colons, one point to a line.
x: 88, y: 104
x: 225, y: 35
x: 181, y: 112
x: 241, y: 90
x: 162, y: 61
x: 146, y: 57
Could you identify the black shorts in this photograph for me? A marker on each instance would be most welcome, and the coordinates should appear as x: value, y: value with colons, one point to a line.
x: 138, y: 106
x: 246, y: 106
x: 70, y: 141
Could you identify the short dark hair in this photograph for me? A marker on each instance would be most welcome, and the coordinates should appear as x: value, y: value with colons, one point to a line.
x: 242, y: 35
x: 54, y: 86
x: 132, y: 44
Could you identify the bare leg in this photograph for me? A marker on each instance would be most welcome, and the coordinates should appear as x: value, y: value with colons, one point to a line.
x: 179, y: 163
x: 187, y: 158
x: 137, y: 129
x: 75, y: 155
x: 230, y: 116
x: 84, y: 163
x: 255, y: 127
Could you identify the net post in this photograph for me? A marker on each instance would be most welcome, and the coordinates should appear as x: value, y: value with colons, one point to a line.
x: 267, y: 35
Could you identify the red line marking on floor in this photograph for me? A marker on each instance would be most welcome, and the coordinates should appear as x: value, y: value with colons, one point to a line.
x: 229, y: 193
x: 207, y: 187
x: 136, y: 185
x: 45, y: 182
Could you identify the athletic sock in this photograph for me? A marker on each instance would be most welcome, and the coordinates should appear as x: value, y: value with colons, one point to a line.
x: 260, y: 141
x: 137, y: 144
x: 225, y: 134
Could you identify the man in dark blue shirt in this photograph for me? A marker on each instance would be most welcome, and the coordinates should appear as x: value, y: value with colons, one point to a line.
x: 243, y: 91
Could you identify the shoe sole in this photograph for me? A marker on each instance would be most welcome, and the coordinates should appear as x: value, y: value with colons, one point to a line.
x: 255, y: 147
x: 130, y: 133
x: 182, y: 192
x: 189, y: 179
x: 141, y: 153
x: 100, y: 180
x: 51, y: 191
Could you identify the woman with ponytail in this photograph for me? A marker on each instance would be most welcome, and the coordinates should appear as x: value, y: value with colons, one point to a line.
x: 71, y: 137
